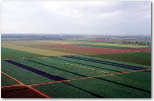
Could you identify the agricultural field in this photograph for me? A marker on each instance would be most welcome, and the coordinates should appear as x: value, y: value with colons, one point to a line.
x: 68, y: 68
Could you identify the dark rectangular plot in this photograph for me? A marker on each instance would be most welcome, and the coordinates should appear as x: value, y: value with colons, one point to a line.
x: 22, y: 75
x: 50, y: 76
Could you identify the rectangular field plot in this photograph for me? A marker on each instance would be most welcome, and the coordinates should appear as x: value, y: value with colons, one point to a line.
x: 143, y: 58
x: 102, y: 46
x: 114, y: 61
x: 119, y: 45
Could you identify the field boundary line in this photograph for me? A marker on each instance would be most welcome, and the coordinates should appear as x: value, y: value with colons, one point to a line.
x: 19, y: 82
x: 110, y: 74
x: 24, y: 85
x: 9, y: 86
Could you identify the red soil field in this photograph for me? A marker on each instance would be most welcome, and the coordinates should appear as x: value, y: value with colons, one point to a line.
x: 94, y: 50
x: 141, y: 49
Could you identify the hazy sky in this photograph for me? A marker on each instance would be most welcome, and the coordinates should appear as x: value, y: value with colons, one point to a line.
x: 76, y: 17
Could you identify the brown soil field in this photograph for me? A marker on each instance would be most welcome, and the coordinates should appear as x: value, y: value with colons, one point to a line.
x: 19, y: 92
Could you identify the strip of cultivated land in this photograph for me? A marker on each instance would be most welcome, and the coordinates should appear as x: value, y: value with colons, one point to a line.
x: 143, y: 58
x: 118, y: 45
x: 102, y: 46
x: 34, y: 50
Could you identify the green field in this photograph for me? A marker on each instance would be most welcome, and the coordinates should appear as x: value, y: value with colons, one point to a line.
x: 143, y: 58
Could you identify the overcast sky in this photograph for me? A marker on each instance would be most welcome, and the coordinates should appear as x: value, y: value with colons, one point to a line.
x: 76, y: 17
